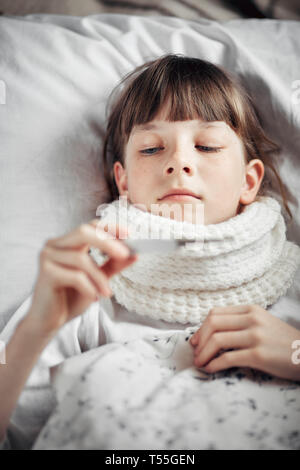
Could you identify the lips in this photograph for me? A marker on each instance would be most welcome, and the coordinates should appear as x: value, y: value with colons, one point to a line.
x: 179, y: 192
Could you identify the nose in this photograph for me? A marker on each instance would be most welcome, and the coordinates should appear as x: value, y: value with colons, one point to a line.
x: 179, y: 163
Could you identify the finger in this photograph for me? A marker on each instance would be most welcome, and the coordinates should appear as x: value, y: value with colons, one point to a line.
x: 238, y: 358
x: 113, y: 266
x: 234, y: 309
x: 218, y: 341
x: 116, y: 230
x: 230, y: 309
x: 195, y: 337
x: 216, y: 323
x: 81, y: 261
x: 60, y: 277
x: 85, y: 235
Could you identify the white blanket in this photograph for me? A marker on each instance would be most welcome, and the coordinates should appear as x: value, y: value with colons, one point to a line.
x: 146, y: 394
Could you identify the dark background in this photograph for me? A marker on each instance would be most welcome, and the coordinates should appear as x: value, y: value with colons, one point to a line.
x: 220, y: 10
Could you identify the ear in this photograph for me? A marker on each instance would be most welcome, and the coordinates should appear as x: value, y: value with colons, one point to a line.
x: 120, y: 175
x: 254, y: 173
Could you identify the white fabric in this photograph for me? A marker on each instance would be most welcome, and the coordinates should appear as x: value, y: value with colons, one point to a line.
x: 52, y: 117
x: 243, y: 260
x: 110, y: 326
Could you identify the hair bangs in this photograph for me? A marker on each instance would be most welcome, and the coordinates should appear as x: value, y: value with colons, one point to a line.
x: 184, y: 91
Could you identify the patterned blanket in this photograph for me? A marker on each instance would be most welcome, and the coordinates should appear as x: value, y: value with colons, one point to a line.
x: 146, y: 394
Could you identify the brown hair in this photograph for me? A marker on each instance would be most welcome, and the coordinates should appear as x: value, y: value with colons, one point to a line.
x: 198, y: 90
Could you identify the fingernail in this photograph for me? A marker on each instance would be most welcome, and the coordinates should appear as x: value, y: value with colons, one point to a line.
x: 124, y: 251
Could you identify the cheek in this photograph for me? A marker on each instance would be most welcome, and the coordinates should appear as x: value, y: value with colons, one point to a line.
x: 227, y: 178
x: 138, y: 175
x: 139, y: 180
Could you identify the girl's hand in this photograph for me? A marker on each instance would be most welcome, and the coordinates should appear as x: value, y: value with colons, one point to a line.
x: 69, y: 280
x: 254, y: 338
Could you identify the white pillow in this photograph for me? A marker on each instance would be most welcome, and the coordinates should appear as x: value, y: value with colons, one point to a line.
x: 56, y: 73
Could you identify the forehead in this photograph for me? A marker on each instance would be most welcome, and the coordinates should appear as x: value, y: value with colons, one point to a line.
x: 195, y: 124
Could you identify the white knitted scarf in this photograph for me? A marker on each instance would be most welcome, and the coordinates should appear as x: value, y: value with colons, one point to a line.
x: 244, y: 260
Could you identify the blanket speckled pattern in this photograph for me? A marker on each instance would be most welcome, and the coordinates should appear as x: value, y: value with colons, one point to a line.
x: 146, y: 394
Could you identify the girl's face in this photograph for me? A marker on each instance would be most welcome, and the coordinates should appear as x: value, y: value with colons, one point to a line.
x: 206, y: 158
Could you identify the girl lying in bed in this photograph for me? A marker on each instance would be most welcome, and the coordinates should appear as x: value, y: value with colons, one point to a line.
x: 182, y: 139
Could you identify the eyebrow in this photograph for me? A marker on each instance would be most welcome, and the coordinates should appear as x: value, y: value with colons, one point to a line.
x: 147, y: 127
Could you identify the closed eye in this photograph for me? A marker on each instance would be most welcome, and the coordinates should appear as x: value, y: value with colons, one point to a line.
x: 145, y: 151
x: 203, y: 148
x: 208, y: 149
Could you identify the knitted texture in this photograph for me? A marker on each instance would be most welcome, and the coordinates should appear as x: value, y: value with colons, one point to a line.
x: 244, y: 260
